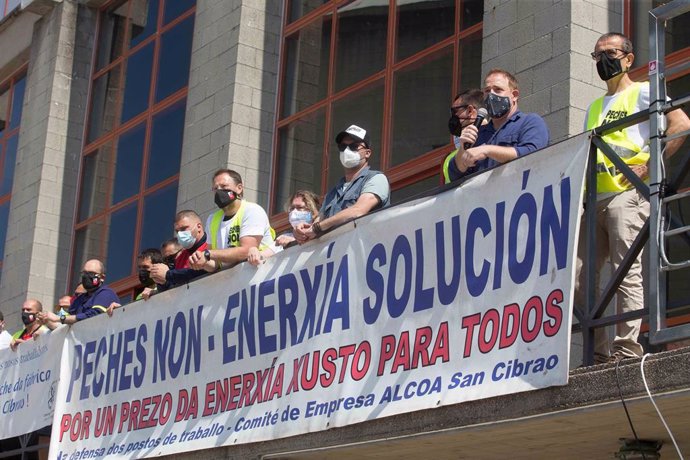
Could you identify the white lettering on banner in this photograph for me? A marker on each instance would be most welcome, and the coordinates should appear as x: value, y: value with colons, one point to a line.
x: 460, y: 296
x: 29, y: 382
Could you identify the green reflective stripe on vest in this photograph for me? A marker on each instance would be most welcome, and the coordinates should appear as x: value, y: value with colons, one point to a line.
x: 608, y: 177
x: 446, y: 165
x: 100, y: 307
x: 215, y: 226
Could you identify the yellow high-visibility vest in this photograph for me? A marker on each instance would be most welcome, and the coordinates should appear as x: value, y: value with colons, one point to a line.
x: 446, y: 165
x: 608, y: 177
x: 233, y: 231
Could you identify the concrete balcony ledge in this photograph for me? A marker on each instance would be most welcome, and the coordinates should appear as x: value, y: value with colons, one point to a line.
x: 584, y: 419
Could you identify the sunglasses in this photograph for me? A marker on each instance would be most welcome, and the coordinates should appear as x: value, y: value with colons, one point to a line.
x: 612, y: 53
x: 455, y: 109
x: 354, y: 146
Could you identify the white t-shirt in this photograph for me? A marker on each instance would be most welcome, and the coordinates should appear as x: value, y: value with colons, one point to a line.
x: 5, y: 340
x: 638, y: 133
x: 254, y: 223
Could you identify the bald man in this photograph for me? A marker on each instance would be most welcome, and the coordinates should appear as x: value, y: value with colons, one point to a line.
x: 32, y: 327
x: 94, y: 301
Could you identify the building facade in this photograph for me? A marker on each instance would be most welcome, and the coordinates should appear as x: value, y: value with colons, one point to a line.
x: 115, y: 114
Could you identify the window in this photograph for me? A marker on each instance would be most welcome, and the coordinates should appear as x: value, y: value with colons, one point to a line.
x: 133, y: 145
x: 11, y: 104
x: 390, y: 67
x: 677, y: 30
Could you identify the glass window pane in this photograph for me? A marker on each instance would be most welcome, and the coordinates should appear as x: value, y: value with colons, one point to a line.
x: 104, y: 99
x: 95, y: 184
x: 8, y: 165
x: 306, y: 66
x: 4, y: 220
x: 17, y: 102
x: 4, y: 102
x: 87, y: 245
x: 166, y: 144
x: 677, y: 30
x: 364, y: 109
x: 175, y: 8
x: 111, y: 34
x: 362, y: 33
x: 144, y: 20
x: 137, y: 83
x: 128, y: 161
x: 472, y: 13
x: 175, y: 55
x: 158, y: 217
x: 470, y: 60
x: 300, y: 157
x: 422, y: 23
x: 123, y: 224
x: 412, y: 190
x: 299, y: 8
x: 420, y: 107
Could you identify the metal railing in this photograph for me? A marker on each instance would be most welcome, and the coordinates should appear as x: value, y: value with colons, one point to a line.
x: 660, y: 192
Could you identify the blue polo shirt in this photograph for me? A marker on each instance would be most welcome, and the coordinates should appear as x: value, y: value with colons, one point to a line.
x: 526, y: 132
x: 91, y: 304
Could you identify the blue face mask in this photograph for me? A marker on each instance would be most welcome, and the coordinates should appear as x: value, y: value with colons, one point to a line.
x: 297, y: 217
x: 186, y: 239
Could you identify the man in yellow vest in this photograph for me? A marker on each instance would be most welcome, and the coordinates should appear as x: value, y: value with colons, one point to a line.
x: 237, y: 226
x: 621, y: 209
x: 463, y: 112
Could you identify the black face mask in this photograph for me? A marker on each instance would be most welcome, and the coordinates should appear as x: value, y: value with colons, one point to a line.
x: 170, y: 260
x: 28, y: 318
x: 224, y: 198
x: 90, y: 281
x: 145, y: 277
x: 609, y: 67
x: 497, y: 106
x: 455, y: 125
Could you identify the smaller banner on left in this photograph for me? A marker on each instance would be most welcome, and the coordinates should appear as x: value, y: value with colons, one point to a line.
x: 28, y: 383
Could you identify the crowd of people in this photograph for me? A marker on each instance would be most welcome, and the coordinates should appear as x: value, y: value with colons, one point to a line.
x: 488, y: 129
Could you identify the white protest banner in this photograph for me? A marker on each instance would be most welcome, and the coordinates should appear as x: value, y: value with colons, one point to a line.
x: 28, y: 383
x: 463, y: 295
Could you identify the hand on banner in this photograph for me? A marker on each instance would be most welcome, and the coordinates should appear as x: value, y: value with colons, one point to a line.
x: 15, y: 343
x: 254, y: 257
x: 284, y: 240
x: 148, y: 292
x: 112, y: 308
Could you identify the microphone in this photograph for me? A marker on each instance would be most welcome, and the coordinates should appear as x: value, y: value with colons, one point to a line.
x: 481, y: 115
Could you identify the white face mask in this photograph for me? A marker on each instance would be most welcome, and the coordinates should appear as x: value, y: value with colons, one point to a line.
x: 186, y: 239
x: 297, y: 217
x: 350, y: 158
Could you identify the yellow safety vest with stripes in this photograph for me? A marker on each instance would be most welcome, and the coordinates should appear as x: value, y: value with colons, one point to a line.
x: 233, y: 231
x: 446, y: 165
x: 608, y: 177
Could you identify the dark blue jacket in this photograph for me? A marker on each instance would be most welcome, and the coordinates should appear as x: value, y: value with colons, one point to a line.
x: 526, y: 132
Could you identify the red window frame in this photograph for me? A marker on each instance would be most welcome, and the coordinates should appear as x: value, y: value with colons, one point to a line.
x: 399, y: 176
x: 8, y: 85
x: 130, y: 283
